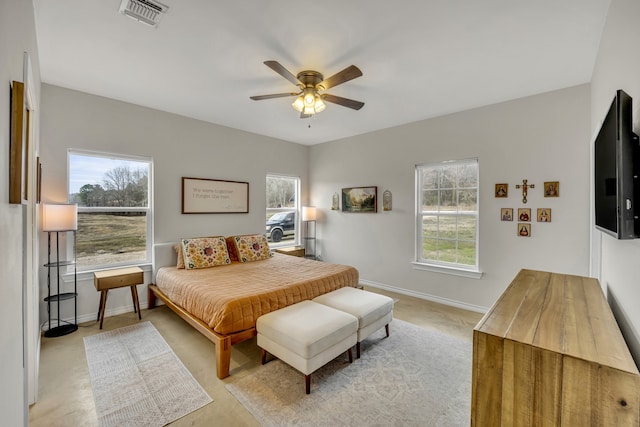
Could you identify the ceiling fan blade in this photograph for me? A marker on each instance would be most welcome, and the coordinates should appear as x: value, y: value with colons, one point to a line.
x: 345, y: 102
x: 349, y: 73
x: 278, y: 68
x: 275, y: 95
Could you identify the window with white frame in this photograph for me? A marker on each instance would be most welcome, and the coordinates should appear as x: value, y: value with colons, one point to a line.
x: 447, y: 215
x: 113, y: 193
x: 282, y: 219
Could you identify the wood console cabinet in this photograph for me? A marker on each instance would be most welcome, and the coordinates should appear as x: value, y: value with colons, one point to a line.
x: 550, y: 353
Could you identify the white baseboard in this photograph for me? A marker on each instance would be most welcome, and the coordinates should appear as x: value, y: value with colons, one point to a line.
x: 428, y: 297
x: 91, y: 317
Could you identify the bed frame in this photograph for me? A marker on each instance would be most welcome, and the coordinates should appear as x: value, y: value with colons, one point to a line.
x: 223, y: 342
x: 164, y: 255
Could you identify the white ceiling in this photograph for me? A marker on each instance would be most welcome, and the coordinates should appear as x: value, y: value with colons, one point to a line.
x: 420, y: 58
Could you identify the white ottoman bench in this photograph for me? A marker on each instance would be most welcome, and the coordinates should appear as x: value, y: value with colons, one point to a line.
x: 372, y: 310
x: 306, y: 336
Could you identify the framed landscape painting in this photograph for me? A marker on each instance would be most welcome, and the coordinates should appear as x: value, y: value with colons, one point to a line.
x: 360, y: 199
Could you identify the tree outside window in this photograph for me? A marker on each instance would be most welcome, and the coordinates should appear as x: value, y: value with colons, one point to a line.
x: 114, y: 215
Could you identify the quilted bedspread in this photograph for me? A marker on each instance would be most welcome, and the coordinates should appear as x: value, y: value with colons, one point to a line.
x: 230, y: 298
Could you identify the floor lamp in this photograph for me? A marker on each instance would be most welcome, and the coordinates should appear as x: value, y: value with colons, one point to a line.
x: 308, y: 216
x: 60, y: 219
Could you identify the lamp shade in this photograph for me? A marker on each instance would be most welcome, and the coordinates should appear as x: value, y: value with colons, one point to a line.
x: 308, y: 213
x: 59, y: 217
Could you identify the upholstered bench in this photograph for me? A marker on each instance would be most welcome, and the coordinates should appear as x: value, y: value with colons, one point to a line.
x: 306, y: 336
x: 372, y: 310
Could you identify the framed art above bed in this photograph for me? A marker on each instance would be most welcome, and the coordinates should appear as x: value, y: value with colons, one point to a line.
x: 201, y: 195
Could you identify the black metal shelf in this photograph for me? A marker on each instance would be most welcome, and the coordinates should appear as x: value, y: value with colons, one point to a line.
x: 61, y: 330
x: 62, y: 327
x: 59, y: 263
x: 61, y: 297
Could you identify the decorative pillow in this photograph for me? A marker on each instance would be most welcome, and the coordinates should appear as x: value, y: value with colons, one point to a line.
x: 204, y: 252
x: 231, y: 248
x: 178, y: 248
x: 252, y: 247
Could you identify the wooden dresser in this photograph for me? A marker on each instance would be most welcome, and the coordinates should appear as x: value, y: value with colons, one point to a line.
x: 550, y: 353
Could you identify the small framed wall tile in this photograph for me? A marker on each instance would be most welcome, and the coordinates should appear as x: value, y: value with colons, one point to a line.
x: 386, y: 200
x: 506, y: 214
x: 524, y: 229
x: 524, y: 214
x: 552, y: 189
x: 502, y: 190
x: 544, y: 215
x: 335, y: 202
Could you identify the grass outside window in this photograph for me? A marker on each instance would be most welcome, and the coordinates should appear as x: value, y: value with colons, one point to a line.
x: 447, y: 215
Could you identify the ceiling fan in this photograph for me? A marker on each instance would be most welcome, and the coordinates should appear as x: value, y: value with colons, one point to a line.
x: 311, y: 84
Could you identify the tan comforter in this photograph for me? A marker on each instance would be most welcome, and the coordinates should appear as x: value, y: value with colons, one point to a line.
x: 230, y: 298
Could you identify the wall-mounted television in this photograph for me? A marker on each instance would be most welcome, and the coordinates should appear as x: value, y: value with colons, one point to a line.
x: 617, y: 163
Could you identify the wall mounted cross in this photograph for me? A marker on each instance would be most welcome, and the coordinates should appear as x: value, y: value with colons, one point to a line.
x: 525, y: 187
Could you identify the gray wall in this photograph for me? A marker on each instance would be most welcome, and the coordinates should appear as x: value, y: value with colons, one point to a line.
x: 17, y: 35
x: 618, y: 67
x: 539, y: 138
x: 532, y: 138
x: 180, y: 147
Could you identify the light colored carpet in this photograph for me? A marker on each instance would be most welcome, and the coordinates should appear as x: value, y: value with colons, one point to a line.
x: 416, y: 377
x: 138, y: 380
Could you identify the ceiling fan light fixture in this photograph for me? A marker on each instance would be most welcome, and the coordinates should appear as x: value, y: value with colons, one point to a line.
x: 309, y: 97
x: 316, y: 105
x: 308, y: 101
x: 298, y: 104
x: 319, y: 105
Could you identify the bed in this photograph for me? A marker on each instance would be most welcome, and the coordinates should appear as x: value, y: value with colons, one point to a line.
x: 224, y: 302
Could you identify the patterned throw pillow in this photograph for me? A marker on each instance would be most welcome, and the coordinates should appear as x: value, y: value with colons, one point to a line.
x: 252, y: 247
x: 204, y: 252
x: 179, y: 257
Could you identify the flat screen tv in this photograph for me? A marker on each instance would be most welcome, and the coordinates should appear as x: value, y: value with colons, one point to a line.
x: 617, y: 164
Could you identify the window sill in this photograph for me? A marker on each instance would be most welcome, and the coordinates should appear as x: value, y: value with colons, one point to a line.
x: 88, y: 274
x: 473, y: 274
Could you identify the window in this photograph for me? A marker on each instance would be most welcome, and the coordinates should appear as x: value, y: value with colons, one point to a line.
x: 447, y: 217
x: 114, y: 208
x: 283, y: 193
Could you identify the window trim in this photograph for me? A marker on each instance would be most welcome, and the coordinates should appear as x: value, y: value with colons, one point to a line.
x: 420, y: 263
x: 148, y: 210
x: 298, y: 223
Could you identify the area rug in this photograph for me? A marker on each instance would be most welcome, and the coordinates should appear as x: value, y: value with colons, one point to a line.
x: 138, y: 380
x: 416, y: 377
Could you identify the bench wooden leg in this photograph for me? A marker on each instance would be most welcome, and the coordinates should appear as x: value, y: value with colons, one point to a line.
x: 358, y: 350
x: 264, y: 356
x: 307, y: 383
x: 350, y: 351
x: 386, y: 328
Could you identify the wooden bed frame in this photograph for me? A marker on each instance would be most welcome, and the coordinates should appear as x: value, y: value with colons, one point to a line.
x: 223, y: 343
x: 164, y: 254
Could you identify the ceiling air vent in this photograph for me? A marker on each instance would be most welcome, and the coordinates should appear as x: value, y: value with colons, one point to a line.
x: 145, y: 11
